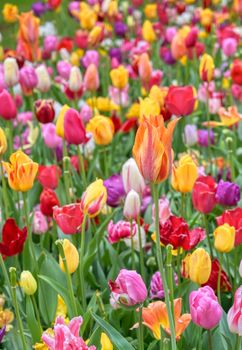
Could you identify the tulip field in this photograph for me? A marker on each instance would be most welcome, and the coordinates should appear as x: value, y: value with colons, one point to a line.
x: 120, y: 175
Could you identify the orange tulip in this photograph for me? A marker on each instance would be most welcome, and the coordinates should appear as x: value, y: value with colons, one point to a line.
x: 152, y: 148
x: 228, y: 117
x: 144, y: 67
x: 156, y: 316
x: 28, y: 35
x: 91, y: 78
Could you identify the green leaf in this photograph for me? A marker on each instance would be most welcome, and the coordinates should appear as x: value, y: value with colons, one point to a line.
x: 31, y: 320
x: 116, y: 338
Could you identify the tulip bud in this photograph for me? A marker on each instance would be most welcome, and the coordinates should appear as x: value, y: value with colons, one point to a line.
x: 148, y: 32
x: 3, y: 142
x: 94, y: 198
x: 11, y: 71
x: 8, y: 108
x: 44, y: 111
x: 105, y: 342
x: 119, y: 77
x: 71, y: 255
x: 44, y: 81
x: 132, y: 205
x: 224, y: 237
x: 91, y: 78
x: 206, y: 68
x: 132, y: 178
x: 185, y: 175
x: 60, y: 121
x: 197, y: 266
x: 75, y: 80
x: 144, y: 67
x: 28, y: 283
x: 235, y: 313
x: 28, y: 79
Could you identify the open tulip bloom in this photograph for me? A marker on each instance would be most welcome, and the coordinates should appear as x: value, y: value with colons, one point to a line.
x: 120, y: 175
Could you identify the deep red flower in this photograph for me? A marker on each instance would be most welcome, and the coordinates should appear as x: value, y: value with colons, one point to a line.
x: 236, y: 72
x: 232, y: 217
x: 116, y: 122
x: 191, y: 38
x: 213, y: 279
x: 48, y: 176
x: 203, y: 194
x: 48, y: 200
x: 65, y: 43
x: 128, y: 125
x: 54, y: 4
x: 13, y: 238
x: 81, y: 39
x: 196, y: 235
x: 44, y: 111
x: 175, y: 231
x: 69, y: 218
x: 180, y: 100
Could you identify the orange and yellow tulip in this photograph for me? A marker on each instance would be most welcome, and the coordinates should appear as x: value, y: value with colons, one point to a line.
x: 102, y: 129
x: 21, y: 171
x: 152, y: 148
x: 28, y: 35
x: 155, y: 316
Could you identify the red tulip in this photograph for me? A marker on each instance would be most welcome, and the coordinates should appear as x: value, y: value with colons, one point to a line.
x: 44, y: 111
x: 12, y: 238
x: 180, y: 100
x: 48, y: 200
x: 213, y: 279
x: 236, y: 72
x: 49, y: 175
x: 65, y: 43
x: 8, y: 108
x: 69, y: 218
x: 203, y: 194
x: 74, y: 129
x: 232, y: 217
x: 81, y: 39
x: 175, y: 231
x: 54, y: 4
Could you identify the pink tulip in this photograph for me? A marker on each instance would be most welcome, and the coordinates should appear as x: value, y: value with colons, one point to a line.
x: 49, y: 135
x: 205, y: 310
x: 91, y: 78
x: 234, y: 316
x: 69, y: 218
x: 128, y: 289
x: 86, y: 113
x: 50, y: 43
x: 229, y: 46
x: 91, y: 56
x: 40, y: 224
x: 120, y: 230
x: 74, y: 129
x: 64, y: 69
x: 28, y: 79
x: 66, y: 336
x: 164, y: 210
x: 8, y: 108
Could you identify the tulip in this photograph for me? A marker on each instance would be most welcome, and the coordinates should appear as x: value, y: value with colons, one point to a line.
x: 203, y: 194
x: 164, y: 210
x: 28, y: 79
x: 7, y: 106
x: 39, y: 8
x: 205, y: 137
x: 155, y: 316
x: 178, y: 46
x: 50, y: 43
x: 156, y: 286
x: 148, y: 32
x: 48, y: 176
x: 119, y: 77
x: 48, y: 200
x: 69, y: 218
x: 204, y: 307
x: 128, y: 289
x: 28, y: 283
x: 185, y: 175
x: 90, y: 57
x: 11, y: 71
x: 206, y: 17
x: 115, y: 190
x: 227, y: 193
x: 148, y: 107
x: 50, y: 137
x: 213, y: 278
x: 64, y: 69
x: 144, y: 68
x: 10, y: 13
x: 224, y: 237
x: 94, y: 198
x: 235, y: 313
x: 197, y: 266
x: 60, y: 121
x: 233, y: 218
x: 40, y: 224
x: 13, y: 238
x: 3, y: 142
x: 206, y: 68
x: 236, y: 71
x: 44, y: 111
x: 71, y: 255
x: 132, y: 205
x: 74, y: 129
x: 120, y: 230
x: 105, y: 342
x: 180, y: 100
x: 229, y: 46
x: 134, y: 242
x: 102, y: 129
x: 190, y: 135
x: 132, y: 178
x: 21, y: 171
x: 91, y: 78
x: 44, y: 82
x: 75, y: 79
x: 154, y: 162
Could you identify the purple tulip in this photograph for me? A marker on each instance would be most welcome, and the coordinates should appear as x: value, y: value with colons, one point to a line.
x: 115, y: 52
x: 115, y: 189
x: 203, y: 137
x: 156, y: 286
x: 39, y: 8
x: 120, y: 28
x: 228, y: 193
x: 2, y: 333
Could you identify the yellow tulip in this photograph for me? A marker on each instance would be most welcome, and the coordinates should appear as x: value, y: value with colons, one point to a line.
x: 88, y: 17
x: 103, y: 104
x: 71, y: 255
x: 60, y: 121
x: 148, y: 107
x: 105, y: 342
x: 206, y: 17
x: 94, y: 198
x: 206, y: 68
x: 158, y: 94
x: 10, y: 13
x: 119, y: 77
x: 134, y: 111
x: 3, y: 142
x: 150, y: 10
x: 185, y: 175
x: 197, y: 266
x: 21, y: 171
x: 102, y: 129
x: 148, y: 32
x: 28, y: 283
x: 224, y: 237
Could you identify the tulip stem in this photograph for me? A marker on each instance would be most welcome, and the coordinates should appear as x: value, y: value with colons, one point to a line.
x: 219, y: 279
x: 238, y: 342
x: 209, y: 129
x: 169, y: 275
x: 141, y: 333
x: 235, y: 268
x: 66, y: 173
x: 82, y: 280
x: 10, y: 135
x: 13, y: 284
x: 207, y: 234
x: 82, y: 167
x: 5, y: 274
x: 210, y: 342
x: 68, y: 277
x: 132, y: 245
x: 37, y: 313
x: 5, y: 193
x: 142, y: 264
x: 161, y: 268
